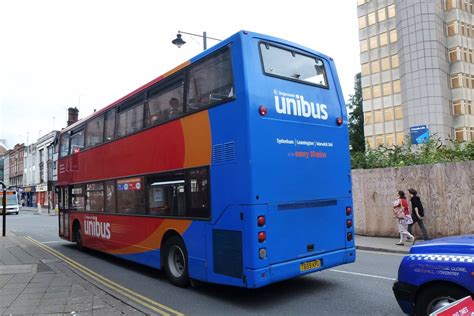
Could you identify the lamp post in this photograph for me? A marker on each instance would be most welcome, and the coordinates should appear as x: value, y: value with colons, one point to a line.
x: 178, y: 41
x: 4, y: 203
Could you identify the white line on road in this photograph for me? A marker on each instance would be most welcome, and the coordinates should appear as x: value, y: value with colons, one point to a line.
x: 54, y: 241
x: 363, y: 274
x: 383, y: 253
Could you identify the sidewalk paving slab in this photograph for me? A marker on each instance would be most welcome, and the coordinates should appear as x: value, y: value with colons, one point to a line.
x: 382, y: 244
x: 55, y: 289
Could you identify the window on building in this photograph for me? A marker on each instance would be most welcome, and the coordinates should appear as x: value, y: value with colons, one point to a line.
x: 95, y: 197
x: 130, y: 120
x: 77, y: 198
x: 398, y: 112
x: 95, y: 131
x: 395, y: 62
x: 456, y: 81
x: 452, y: 28
x: 396, y: 86
x: 370, y: 142
x: 459, y: 134
x: 362, y: 22
x: 400, y: 138
x: 361, y: 2
x: 454, y: 54
x: 372, y: 18
x: 383, y: 39
x: 110, y: 196
x: 393, y: 36
x: 458, y: 108
x: 378, y: 116
x: 366, y: 93
x: 381, y: 15
x: 385, y: 63
x: 211, y: 80
x: 130, y: 196
x: 468, y: 107
x: 387, y: 88
x: 109, y: 125
x: 450, y: 4
x: 367, y: 118
x: 64, y: 146
x: 166, y: 105
x: 472, y: 134
x: 364, y: 46
x: 373, y: 42
x: 389, y: 140
x: 365, y: 69
x: 391, y: 11
x: 378, y: 140
x: 376, y: 91
x: 77, y: 141
x: 374, y: 67
x: 388, y: 115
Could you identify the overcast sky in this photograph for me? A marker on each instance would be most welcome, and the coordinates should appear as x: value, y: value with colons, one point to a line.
x: 58, y: 54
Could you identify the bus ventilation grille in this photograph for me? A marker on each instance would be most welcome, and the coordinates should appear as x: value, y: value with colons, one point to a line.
x: 223, y: 152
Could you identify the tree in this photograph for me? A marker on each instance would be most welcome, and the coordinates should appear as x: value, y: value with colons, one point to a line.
x: 356, y: 117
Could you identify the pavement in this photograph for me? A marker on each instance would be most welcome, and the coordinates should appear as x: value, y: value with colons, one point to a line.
x: 383, y: 244
x: 34, y: 282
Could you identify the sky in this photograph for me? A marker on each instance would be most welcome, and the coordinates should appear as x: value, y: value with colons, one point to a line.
x: 57, y: 54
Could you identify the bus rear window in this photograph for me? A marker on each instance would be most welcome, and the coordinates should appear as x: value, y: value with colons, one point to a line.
x: 288, y: 64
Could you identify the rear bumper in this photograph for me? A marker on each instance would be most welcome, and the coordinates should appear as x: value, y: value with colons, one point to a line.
x: 290, y: 269
x: 405, y: 295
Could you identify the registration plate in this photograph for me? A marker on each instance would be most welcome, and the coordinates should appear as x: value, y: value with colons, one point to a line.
x: 305, y: 266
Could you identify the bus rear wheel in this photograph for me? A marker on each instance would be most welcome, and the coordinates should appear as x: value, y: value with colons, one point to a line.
x: 78, y: 237
x: 176, y: 261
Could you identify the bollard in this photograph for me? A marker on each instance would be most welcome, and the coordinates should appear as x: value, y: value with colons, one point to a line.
x: 39, y: 208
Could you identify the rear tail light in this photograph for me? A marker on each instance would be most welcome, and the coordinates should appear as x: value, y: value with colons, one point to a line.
x: 349, y: 223
x: 339, y: 121
x: 262, y: 236
x: 349, y: 236
x: 262, y: 109
x: 261, y: 220
x: 348, y: 210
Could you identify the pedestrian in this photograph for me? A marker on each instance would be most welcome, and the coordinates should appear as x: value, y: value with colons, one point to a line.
x: 402, y: 214
x: 417, y: 213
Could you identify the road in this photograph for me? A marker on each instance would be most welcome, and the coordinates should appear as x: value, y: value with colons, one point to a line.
x: 362, y: 288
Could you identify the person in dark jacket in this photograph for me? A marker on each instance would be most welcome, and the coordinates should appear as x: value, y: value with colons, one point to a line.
x: 417, y: 213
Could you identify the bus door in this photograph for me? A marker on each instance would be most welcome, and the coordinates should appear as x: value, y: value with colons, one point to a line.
x: 64, y: 212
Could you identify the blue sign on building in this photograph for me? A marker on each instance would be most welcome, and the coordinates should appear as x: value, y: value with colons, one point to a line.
x: 419, y: 134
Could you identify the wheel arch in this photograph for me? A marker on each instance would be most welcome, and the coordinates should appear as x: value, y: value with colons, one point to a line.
x: 438, y: 283
x: 75, y: 226
x: 167, y: 235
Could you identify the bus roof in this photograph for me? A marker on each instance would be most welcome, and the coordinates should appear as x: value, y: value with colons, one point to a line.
x: 187, y: 63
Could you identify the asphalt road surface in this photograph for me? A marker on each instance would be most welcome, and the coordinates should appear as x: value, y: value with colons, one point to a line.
x: 362, y: 288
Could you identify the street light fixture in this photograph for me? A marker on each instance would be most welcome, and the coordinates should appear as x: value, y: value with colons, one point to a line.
x: 178, y: 41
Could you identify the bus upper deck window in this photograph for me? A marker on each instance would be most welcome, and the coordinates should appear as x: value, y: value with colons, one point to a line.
x: 289, y: 64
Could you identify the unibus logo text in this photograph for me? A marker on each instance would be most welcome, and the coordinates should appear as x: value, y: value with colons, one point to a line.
x: 291, y: 104
x: 92, y: 227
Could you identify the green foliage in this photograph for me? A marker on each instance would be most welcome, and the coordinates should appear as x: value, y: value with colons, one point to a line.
x: 434, y: 151
x: 356, y: 117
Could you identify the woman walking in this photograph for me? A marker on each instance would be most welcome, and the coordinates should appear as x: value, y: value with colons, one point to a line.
x: 417, y: 213
x: 402, y: 214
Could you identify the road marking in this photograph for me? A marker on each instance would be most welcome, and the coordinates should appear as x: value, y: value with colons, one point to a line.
x: 54, y: 242
x: 382, y: 253
x: 364, y: 275
x: 140, y: 299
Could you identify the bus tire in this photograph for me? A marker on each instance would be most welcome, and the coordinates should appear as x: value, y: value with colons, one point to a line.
x: 435, y: 297
x: 78, y: 238
x: 176, y: 261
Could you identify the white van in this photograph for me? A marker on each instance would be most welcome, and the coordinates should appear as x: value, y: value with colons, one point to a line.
x: 13, y: 204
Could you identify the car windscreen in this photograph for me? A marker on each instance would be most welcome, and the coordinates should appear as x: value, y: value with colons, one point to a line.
x: 291, y: 65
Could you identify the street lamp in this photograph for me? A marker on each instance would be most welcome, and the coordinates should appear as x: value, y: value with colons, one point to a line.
x: 178, y: 41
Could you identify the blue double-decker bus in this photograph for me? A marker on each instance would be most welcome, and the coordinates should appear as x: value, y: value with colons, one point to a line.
x: 232, y: 168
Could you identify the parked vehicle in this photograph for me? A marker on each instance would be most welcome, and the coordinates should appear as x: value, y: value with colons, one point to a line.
x: 13, y: 204
x: 435, y: 274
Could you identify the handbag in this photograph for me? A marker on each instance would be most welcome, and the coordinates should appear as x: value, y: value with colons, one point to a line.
x: 408, y: 219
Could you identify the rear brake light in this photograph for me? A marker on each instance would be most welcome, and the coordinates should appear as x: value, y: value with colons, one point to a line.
x: 349, y: 236
x: 349, y: 223
x: 262, y: 236
x: 262, y: 109
x: 339, y: 121
x: 348, y: 210
x: 261, y: 220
